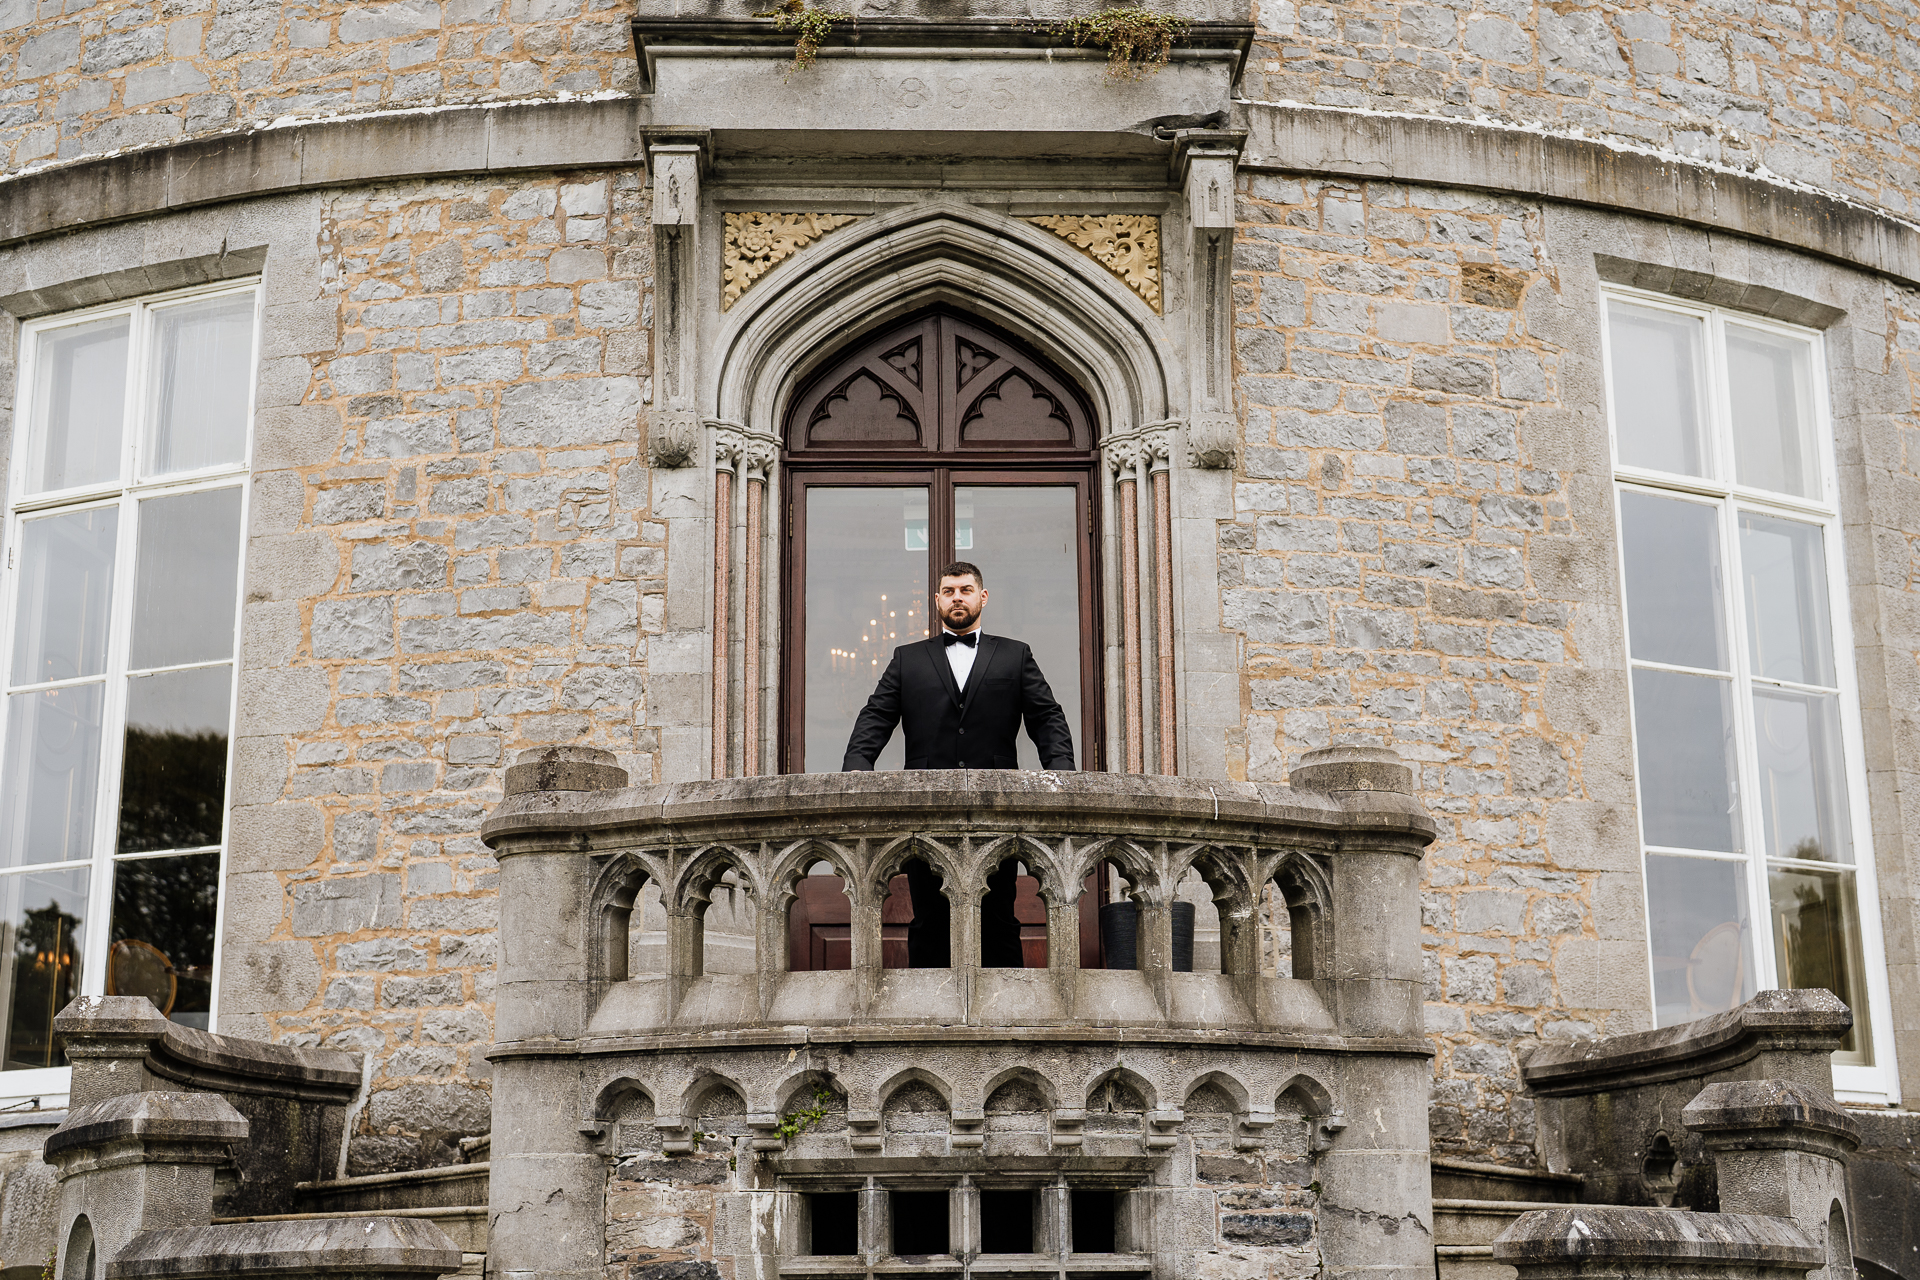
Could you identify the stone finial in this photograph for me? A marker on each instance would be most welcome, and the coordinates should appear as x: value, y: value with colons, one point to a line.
x: 1332, y: 769
x: 150, y: 1128
x: 1758, y: 1115
x: 565, y: 769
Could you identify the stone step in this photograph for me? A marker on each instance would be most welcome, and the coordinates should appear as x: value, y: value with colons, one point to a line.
x: 442, y: 1187
x: 465, y: 1225
x: 1471, y: 1180
x: 1463, y: 1232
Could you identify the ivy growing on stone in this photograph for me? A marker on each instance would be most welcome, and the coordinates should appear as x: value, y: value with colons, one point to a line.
x: 1138, y: 41
x: 812, y: 26
x: 797, y: 1122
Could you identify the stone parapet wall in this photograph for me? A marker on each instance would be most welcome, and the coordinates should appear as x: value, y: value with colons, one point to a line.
x: 1807, y: 92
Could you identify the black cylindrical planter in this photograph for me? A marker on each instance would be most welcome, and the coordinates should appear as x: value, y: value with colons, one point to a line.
x: 1183, y: 937
x: 1120, y: 935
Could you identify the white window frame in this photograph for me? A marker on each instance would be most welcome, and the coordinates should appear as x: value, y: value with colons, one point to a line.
x: 1878, y: 1083
x: 126, y: 491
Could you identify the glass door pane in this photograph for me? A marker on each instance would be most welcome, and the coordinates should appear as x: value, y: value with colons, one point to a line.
x: 865, y: 595
x: 1025, y: 538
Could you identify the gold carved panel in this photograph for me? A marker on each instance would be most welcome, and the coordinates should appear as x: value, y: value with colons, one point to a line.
x: 758, y: 242
x: 1126, y: 244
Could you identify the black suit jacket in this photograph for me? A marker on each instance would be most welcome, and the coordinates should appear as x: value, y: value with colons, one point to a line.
x: 953, y: 728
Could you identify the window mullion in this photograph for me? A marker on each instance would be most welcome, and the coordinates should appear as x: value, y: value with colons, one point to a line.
x: 1747, y: 753
x: 112, y: 750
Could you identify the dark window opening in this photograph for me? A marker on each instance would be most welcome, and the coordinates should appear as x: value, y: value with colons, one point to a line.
x: 916, y: 920
x: 1006, y: 1222
x: 1094, y: 1215
x: 833, y: 1219
x: 939, y: 439
x: 919, y: 1223
x: 1013, y: 920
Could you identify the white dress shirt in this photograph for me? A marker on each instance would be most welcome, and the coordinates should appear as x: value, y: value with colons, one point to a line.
x: 960, y: 657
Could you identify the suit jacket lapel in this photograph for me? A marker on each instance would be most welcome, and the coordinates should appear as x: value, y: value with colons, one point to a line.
x: 980, y: 661
x: 937, y: 655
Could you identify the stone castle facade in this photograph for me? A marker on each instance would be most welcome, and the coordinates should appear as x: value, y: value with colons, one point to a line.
x: 539, y: 286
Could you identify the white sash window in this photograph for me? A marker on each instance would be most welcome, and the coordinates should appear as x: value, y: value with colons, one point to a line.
x: 126, y: 507
x: 1749, y: 767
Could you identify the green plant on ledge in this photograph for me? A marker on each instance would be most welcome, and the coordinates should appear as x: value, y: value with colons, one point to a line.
x: 795, y: 1123
x: 1138, y: 41
x: 813, y: 26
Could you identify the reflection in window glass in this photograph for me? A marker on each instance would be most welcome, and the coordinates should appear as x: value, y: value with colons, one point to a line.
x: 50, y: 774
x: 79, y: 405
x: 202, y: 379
x: 66, y: 588
x: 161, y: 940
x: 1702, y: 936
x: 173, y: 777
x: 1816, y: 940
x: 1803, y: 793
x: 1770, y: 379
x: 866, y: 596
x: 1025, y: 540
x: 1658, y: 388
x: 42, y: 939
x: 1789, y: 623
x: 1683, y: 732
x: 1674, y: 590
x: 183, y: 587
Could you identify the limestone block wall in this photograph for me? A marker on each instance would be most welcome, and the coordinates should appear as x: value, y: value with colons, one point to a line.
x: 1817, y: 93
x: 473, y: 568
x: 80, y: 78
x: 1422, y: 555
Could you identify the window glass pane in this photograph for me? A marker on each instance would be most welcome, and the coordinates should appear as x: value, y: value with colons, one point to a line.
x: 866, y: 596
x: 1816, y: 943
x: 1702, y: 937
x: 1771, y: 379
x: 1675, y: 604
x: 1024, y: 538
x: 202, y: 376
x: 79, y: 405
x: 173, y: 779
x: 50, y: 774
x: 1788, y: 622
x: 162, y: 934
x: 44, y: 916
x: 1803, y: 792
x: 1683, y: 737
x: 66, y: 588
x: 1658, y: 385
x: 185, y: 577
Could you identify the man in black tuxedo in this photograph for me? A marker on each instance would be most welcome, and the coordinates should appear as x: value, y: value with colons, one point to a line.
x: 962, y: 696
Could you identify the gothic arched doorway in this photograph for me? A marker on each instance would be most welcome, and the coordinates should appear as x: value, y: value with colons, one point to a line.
x: 938, y: 439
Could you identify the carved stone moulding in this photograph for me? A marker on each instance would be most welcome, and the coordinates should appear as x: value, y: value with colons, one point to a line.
x: 1126, y: 244
x: 756, y: 243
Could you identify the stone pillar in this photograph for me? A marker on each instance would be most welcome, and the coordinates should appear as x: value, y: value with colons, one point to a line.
x: 1123, y: 459
x: 142, y: 1161
x: 548, y: 1184
x: 1781, y: 1147
x: 109, y: 1042
x: 1376, y: 1203
x: 728, y: 448
x: 1159, y: 460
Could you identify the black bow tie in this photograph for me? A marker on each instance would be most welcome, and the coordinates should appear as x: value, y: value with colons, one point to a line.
x: 949, y: 639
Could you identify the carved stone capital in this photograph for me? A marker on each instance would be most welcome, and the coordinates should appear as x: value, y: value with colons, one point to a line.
x: 729, y: 446
x: 1122, y: 452
x: 1157, y: 445
x: 1212, y: 440
x: 762, y: 451
x: 673, y: 438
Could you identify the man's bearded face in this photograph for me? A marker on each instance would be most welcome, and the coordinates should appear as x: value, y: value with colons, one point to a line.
x: 960, y: 601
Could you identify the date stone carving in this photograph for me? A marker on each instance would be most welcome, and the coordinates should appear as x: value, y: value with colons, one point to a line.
x: 758, y: 242
x: 1126, y: 244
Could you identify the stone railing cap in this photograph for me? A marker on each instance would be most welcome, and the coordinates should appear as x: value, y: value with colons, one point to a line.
x: 368, y: 1246
x: 1595, y: 1232
x: 1812, y: 1020
x: 206, y: 1058
x: 1733, y: 1105
x: 1142, y: 804
x: 152, y: 1116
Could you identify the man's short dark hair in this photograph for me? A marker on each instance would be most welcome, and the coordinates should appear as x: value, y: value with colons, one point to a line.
x: 960, y: 569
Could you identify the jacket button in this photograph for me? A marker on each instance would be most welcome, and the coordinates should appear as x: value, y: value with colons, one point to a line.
x: 963, y: 733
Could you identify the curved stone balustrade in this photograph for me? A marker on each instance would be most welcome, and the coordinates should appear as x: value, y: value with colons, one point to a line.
x: 830, y: 1080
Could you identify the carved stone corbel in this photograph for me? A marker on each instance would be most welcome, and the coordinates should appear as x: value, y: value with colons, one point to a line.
x: 676, y: 168
x: 1212, y: 439
x: 1204, y: 162
x: 673, y: 438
